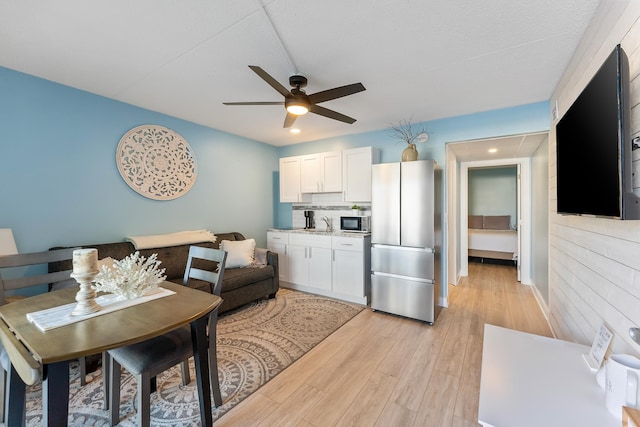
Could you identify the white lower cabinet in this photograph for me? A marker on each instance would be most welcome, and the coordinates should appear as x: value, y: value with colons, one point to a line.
x: 309, y: 259
x: 334, y: 266
x: 351, y: 268
x: 277, y: 242
x: 320, y: 268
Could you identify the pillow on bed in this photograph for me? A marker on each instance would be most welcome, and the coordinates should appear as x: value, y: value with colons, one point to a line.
x: 497, y: 222
x: 475, y: 221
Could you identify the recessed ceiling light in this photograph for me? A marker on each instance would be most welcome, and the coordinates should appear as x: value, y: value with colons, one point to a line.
x: 493, y: 150
x: 294, y: 130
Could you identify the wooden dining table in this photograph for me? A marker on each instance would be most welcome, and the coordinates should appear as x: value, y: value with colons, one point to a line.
x: 53, y: 349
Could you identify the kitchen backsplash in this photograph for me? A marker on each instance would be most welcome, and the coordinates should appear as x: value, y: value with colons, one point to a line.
x: 331, y: 212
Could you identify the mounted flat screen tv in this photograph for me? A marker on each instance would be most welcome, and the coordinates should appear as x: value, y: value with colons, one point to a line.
x: 593, y: 147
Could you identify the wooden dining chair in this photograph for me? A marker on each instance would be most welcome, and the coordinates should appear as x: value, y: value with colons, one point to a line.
x: 150, y: 358
x: 24, y: 274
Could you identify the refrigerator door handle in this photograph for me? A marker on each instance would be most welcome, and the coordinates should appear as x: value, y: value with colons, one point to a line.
x: 399, y: 276
x: 402, y: 248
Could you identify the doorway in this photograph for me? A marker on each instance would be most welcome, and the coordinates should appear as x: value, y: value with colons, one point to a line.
x: 493, y: 208
x: 522, y: 222
x: 515, y: 150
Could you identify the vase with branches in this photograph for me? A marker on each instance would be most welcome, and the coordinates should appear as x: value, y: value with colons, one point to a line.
x: 405, y: 131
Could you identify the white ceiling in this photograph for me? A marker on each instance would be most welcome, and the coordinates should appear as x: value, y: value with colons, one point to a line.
x: 509, y: 147
x: 419, y: 59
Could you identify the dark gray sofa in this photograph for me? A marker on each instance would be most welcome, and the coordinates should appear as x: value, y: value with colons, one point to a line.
x: 239, y: 286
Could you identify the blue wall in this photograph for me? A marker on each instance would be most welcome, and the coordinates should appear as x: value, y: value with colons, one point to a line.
x: 508, y: 121
x: 493, y: 191
x: 61, y: 186
x: 60, y: 183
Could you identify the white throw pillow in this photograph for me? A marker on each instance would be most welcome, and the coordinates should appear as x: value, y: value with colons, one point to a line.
x: 240, y: 253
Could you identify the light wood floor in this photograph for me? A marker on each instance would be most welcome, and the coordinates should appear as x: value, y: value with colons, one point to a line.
x: 384, y: 370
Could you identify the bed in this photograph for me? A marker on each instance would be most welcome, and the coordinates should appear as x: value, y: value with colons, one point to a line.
x: 491, y: 236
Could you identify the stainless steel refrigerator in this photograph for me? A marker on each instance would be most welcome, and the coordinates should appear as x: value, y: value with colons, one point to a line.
x: 406, y: 238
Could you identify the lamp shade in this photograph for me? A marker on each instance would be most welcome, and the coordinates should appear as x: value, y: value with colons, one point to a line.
x: 7, y: 242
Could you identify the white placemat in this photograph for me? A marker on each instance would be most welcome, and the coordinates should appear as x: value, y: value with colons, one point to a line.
x: 56, y: 317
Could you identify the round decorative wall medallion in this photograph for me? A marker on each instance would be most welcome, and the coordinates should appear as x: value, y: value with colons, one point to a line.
x: 156, y: 162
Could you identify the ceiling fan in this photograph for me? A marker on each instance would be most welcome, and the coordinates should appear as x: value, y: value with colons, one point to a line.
x: 297, y: 102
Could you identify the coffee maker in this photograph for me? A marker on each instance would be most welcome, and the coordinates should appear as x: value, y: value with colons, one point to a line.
x: 308, y: 217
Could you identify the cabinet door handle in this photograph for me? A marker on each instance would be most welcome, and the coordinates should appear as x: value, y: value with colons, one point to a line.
x: 346, y: 244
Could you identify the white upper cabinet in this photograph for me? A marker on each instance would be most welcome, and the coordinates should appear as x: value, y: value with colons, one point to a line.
x: 289, y: 179
x: 347, y: 172
x: 321, y: 172
x: 357, y: 173
x: 310, y: 173
x: 331, y: 164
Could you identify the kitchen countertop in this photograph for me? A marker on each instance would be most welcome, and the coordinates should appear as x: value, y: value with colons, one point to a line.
x: 337, y: 233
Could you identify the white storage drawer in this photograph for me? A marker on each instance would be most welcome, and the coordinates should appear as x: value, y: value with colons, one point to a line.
x: 307, y: 239
x: 277, y: 237
x: 355, y: 244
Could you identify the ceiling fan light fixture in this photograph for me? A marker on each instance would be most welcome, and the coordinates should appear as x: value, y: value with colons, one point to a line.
x: 298, y: 103
x: 297, y: 108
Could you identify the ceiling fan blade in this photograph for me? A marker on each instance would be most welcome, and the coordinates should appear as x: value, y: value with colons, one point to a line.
x: 254, y: 103
x: 337, y: 92
x: 330, y: 114
x: 289, y: 120
x: 272, y: 82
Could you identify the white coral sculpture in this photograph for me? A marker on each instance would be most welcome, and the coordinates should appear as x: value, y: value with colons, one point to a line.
x: 131, y: 277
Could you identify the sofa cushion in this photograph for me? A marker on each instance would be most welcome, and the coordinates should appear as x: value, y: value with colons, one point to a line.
x: 173, y: 258
x: 226, y: 236
x: 198, y: 284
x: 237, y: 277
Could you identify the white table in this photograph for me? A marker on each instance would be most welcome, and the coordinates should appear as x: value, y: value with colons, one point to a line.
x: 530, y: 380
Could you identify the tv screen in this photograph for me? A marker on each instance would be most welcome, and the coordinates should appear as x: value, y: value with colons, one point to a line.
x: 593, y: 147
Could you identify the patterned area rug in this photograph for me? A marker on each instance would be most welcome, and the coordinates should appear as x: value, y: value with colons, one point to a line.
x: 255, y: 343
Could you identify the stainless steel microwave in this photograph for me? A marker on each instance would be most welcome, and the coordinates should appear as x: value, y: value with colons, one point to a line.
x: 358, y: 224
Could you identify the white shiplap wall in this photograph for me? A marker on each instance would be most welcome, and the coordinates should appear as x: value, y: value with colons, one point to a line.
x: 594, y: 263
